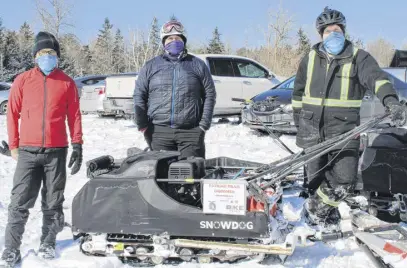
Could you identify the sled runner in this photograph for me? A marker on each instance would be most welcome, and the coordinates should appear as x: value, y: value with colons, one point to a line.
x: 384, y: 243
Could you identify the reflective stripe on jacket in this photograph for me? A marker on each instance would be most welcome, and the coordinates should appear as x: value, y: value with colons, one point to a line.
x: 328, y: 92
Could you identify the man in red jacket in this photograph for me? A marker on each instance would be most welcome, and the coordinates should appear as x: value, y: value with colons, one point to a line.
x: 41, y: 98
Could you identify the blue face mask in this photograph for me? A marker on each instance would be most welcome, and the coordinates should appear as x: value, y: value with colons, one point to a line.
x: 47, y: 63
x: 334, y: 43
x: 175, y: 47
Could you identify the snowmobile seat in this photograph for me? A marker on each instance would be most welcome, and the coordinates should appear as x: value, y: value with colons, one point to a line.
x: 151, y: 164
x: 134, y: 150
x: 384, y: 161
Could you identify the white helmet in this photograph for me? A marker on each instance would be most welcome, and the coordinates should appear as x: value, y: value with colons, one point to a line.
x: 172, y: 27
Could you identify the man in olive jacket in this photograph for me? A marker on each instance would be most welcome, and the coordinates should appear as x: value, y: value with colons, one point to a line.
x: 329, y: 87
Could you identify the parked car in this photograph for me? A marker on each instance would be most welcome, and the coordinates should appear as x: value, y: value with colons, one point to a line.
x: 92, y: 99
x: 119, y: 94
x: 88, y: 81
x: 4, y: 92
x: 273, y: 107
x: 236, y: 77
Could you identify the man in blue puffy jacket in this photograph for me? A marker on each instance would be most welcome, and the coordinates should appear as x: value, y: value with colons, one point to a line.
x: 175, y: 97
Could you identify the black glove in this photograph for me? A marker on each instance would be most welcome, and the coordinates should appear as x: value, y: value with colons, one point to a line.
x: 5, y: 150
x: 397, y: 111
x: 76, y: 157
x: 148, y: 137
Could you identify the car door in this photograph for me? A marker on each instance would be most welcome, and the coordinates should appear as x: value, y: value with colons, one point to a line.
x: 227, y: 87
x: 253, y: 77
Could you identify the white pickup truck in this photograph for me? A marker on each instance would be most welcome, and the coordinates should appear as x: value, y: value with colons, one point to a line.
x: 119, y: 92
x: 234, y: 77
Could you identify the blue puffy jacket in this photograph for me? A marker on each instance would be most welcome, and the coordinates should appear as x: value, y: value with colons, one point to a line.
x: 179, y: 94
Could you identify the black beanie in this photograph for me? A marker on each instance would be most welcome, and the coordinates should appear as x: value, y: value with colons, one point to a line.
x: 46, y: 40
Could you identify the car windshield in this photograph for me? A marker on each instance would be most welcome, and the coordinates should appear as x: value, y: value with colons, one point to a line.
x: 286, y: 84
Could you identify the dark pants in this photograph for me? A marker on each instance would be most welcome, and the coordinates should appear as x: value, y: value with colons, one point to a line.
x: 33, y: 169
x: 334, y: 182
x: 342, y: 169
x: 190, y: 142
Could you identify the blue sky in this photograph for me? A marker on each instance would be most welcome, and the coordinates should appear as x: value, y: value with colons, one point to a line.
x: 237, y: 20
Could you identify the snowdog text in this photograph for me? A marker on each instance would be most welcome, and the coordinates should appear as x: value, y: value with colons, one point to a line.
x: 226, y: 225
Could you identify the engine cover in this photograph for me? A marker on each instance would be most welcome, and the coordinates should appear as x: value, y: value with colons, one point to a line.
x: 192, y: 168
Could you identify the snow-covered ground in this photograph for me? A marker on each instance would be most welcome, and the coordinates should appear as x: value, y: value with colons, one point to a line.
x: 108, y: 136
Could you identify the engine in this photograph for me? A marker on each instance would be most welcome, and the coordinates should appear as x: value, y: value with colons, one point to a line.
x: 183, y: 180
x: 185, y: 170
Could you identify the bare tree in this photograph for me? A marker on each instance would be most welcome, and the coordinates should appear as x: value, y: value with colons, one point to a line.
x: 277, y: 54
x: 55, y: 15
x: 143, y: 45
x: 381, y: 50
x: 136, y: 48
x: 73, y: 55
x: 278, y: 29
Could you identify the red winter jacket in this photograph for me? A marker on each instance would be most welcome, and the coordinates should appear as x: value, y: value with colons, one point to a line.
x: 43, y: 102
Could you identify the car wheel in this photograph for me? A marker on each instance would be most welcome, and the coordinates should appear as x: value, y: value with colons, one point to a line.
x: 3, y: 107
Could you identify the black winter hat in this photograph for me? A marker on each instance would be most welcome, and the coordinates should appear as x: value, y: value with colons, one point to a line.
x: 46, y: 40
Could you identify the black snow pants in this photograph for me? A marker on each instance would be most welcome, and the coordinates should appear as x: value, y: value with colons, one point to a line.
x: 37, y: 166
x: 189, y: 142
x: 341, y: 170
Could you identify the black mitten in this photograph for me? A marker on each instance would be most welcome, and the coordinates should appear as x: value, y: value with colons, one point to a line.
x: 76, y: 158
x: 5, y: 150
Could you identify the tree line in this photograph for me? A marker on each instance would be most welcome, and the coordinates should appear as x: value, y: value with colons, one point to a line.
x: 110, y: 52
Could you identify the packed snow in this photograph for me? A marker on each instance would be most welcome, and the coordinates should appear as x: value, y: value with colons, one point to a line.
x: 109, y: 136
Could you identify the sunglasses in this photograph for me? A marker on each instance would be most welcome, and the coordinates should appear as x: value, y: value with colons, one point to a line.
x: 167, y: 28
x: 46, y: 52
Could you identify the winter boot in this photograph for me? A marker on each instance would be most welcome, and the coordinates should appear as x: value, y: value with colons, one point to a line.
x: 46, y: 251
x: 10, y: 258
x: 322, y: 207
